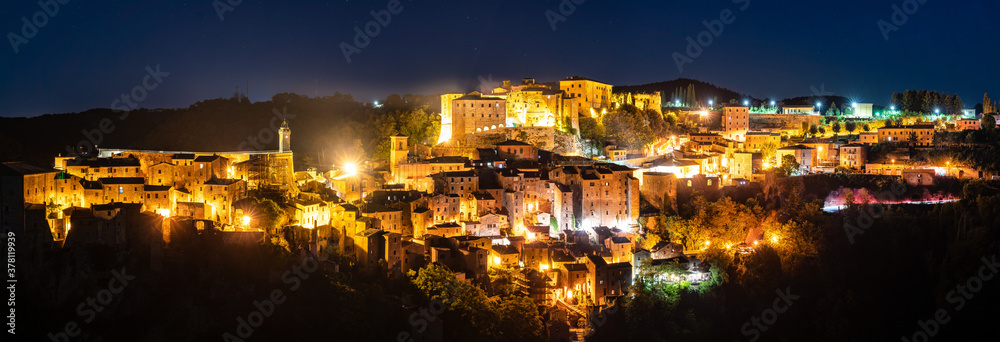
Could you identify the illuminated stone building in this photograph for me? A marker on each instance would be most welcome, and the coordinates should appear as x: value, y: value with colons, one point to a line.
x: 592, y: 95
x: 924, y: 134
x: 736, y: 122
x: 642, y: 101
x: 526, y: 105
x: 603, y: 194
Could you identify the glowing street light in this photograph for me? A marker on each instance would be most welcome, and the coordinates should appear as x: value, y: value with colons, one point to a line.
x: 246, y: 221
x: 746, y: 102
x: 937, y: 111
x: 854, y: 105
x: 819, y: 104
x: 772, y: 103
x: 677, y: 102
x: 351, y: 168
x: 711, y: 102
x: 893, y: 108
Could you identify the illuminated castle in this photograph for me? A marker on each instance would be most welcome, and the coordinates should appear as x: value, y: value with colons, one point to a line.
x: 528, y: 104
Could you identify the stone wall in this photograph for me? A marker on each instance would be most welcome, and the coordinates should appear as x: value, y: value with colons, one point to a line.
x: 783, y: 121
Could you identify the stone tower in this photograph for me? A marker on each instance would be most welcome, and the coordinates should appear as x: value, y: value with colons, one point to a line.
x: 398, y: 151
x: 284, y: 137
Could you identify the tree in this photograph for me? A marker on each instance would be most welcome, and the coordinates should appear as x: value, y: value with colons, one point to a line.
x: 866, y: 127
x: 851, y: 126
x: 768, y: 150
x: 835, y: 127
x: 591, y: 129
x: 987, y: 105
x: 268, y: 214
x: 629, y: 127
x: 789, y: 164
x: 805, y: 127
x: 988, y: 122
x: 813, y: 129
x: 912, y: 139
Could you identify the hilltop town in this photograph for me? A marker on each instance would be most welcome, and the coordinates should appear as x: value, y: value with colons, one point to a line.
x: 566, y: 186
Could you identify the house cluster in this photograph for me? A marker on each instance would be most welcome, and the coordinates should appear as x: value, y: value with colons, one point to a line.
x: 464, y: 117
x: 738, y: 152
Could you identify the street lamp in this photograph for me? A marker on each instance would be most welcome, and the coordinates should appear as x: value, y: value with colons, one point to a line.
x: 772, y: 103
x: 711, y: 102
x: 746, y: 102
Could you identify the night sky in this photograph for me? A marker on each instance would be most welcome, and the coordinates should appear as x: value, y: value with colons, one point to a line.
x: 91, y: 52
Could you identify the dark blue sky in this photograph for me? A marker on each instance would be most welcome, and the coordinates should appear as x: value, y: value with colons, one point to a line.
x: 91, y: 52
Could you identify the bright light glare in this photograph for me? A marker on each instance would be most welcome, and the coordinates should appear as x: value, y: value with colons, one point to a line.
x: 746, y: 103
x: 351, y: 168
x: 163, y: 212
x: 246, y: 221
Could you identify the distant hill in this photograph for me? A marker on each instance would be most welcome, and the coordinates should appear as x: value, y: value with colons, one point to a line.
x: 703, y: 90
x: 321, y: 126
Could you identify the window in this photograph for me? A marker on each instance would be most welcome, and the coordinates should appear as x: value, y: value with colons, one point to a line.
x: 121, y: 190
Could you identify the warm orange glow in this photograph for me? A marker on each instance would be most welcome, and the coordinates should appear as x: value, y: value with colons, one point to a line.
x: 163, y: 212
x: 497, y: 261
x: 569, y: 294
x: 246, y: 221
x: 351, y: 169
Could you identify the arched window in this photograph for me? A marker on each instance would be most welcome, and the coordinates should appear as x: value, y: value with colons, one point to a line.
x: 478, y: 130
x: 494, y: 127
